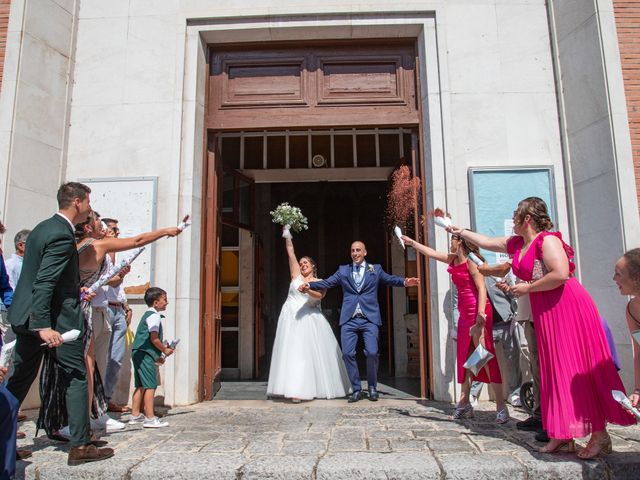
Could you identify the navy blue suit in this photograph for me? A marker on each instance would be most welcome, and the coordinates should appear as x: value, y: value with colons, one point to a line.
x: 8, y: 428
x: 368, y: 323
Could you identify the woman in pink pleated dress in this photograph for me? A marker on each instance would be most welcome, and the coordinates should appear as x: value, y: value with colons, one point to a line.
x: 577, y: 373
x: 475, y: 324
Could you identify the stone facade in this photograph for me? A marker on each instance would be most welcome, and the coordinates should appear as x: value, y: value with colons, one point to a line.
x: 117, y: 89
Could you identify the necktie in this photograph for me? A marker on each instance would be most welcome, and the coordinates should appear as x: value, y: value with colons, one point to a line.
x: 357, y: 274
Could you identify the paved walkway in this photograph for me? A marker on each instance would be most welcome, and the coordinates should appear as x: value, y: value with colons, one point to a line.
x: 389, y: 439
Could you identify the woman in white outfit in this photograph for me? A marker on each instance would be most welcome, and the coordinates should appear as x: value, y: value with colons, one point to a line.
x: 306, y: 362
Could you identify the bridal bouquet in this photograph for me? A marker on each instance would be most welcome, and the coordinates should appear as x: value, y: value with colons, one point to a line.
x: 290, y: 217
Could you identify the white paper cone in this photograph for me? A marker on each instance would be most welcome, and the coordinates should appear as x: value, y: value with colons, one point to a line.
x: 184, y: 223
x: 443, y: 222
x: 398, y: 233
x: 69, y: 336
x: 475, y: 259
x: 113, y: 271
x: 6, y: 354
x: 622, y: 399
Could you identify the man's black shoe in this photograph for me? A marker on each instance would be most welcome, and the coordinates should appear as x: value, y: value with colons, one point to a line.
x: 355, y: 396
x: 531, y: 424
x: 373, y: 394
x: 542, y: 436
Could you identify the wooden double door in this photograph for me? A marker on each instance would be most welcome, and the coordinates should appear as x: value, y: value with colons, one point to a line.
x: 261, y: 95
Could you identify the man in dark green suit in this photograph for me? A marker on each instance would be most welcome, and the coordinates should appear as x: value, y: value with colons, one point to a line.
x: 46, y: 304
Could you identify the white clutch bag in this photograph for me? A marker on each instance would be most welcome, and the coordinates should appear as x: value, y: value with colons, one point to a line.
x: 6, y: 354
x: 478, y: 359
x: 636, y: 336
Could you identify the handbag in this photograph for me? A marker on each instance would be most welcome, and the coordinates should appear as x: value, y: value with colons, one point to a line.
x: 478, y: 359
x: 539, y: 270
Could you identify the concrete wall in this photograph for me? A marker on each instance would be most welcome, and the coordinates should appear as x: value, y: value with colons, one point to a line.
x: 599, y: 161
x: 34, y: 108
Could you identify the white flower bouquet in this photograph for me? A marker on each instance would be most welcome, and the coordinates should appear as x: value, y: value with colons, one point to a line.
x: 290, y: 217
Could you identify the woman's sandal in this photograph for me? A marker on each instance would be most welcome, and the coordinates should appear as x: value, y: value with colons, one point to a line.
x: 596, y: 447
x: 555, y: 445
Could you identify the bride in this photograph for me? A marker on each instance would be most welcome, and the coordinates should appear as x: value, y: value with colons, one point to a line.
x: 306, y: 361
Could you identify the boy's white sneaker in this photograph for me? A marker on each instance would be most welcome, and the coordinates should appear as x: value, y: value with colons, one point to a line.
x: 107, y: 423
x: 154, y: 422
x: 136, y: 419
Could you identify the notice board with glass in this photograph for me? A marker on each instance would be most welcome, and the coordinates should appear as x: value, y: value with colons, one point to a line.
x: 494, y: 194
x: 133, y: 202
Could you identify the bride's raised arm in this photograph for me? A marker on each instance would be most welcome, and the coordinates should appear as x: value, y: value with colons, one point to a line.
x: 294, y: 267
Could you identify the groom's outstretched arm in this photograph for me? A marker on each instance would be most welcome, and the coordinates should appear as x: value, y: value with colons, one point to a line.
x: 332, y: 281
x: 396, y: 281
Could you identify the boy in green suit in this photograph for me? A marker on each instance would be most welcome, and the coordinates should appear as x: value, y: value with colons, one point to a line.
x: 46, y: 304
x: 148, y: 350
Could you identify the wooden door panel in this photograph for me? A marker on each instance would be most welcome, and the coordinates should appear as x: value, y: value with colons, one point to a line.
x: 374, y: 81
x: 263, y: 83
x: 210, y: 358
x: 272, y: 86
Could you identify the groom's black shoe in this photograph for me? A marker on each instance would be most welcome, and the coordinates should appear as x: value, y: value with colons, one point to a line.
x: 355, y: 396
x: 373, y: 394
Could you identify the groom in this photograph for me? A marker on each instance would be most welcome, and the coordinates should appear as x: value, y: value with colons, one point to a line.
x: 360, y: 313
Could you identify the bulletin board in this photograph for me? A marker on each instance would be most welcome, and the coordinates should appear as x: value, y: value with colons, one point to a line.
x: 494, y: 194
x: 132, y: 201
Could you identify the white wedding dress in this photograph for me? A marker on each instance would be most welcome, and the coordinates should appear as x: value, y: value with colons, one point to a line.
x: 306, y: 362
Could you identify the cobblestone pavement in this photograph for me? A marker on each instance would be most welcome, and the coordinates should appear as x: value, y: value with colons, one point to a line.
x: 389, y: 439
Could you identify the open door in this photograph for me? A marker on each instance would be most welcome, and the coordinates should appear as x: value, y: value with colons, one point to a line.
x: 258, y: 350
x: 422, y: 272
x: 210, y: 333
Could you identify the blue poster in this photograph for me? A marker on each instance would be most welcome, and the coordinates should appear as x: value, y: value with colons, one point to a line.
x: 494, y: 195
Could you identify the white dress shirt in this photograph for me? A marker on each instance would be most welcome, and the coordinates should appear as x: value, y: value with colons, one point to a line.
x: 14, y: 268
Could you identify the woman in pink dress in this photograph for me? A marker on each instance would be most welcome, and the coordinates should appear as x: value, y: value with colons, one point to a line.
x: 577, y: 373
x: 475, y: 324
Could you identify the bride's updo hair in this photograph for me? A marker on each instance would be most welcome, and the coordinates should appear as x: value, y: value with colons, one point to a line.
x: 314, y: 265
x: 537, y: 210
